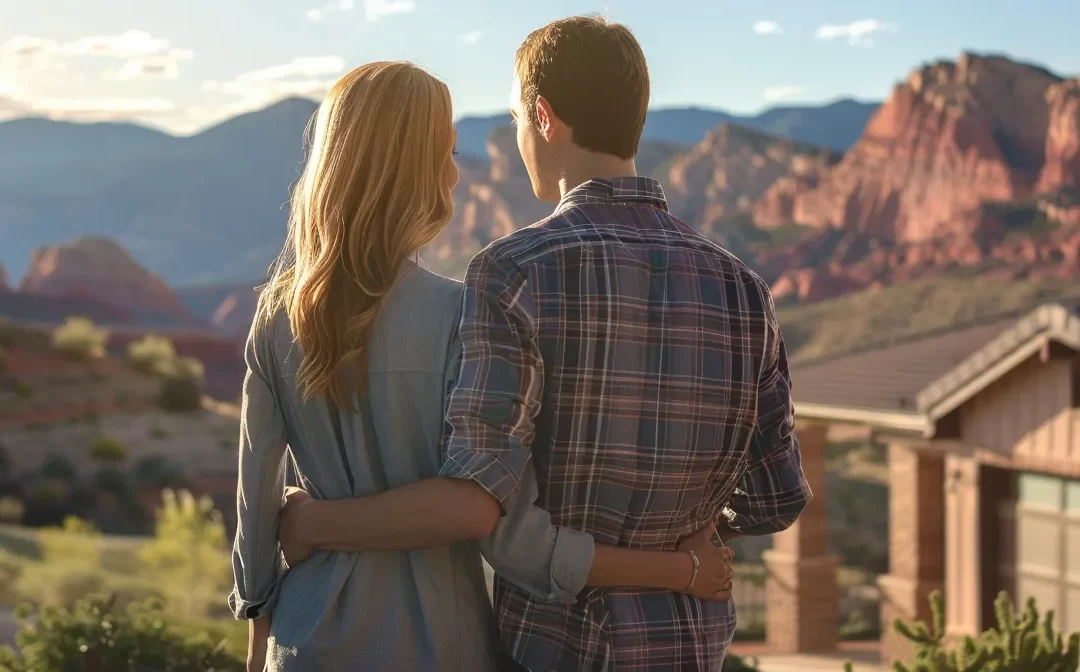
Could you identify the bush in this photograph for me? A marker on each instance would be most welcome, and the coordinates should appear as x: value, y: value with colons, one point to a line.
x: 733, y: 663
x: 1024, y: 644
x: 6, y: 465
x: 180, y: 394
x: 79, y: 339
x: 159, y: 471
x: 3, y: 361
x: 188, y: 553
x: 24, y: 390
x: 59, y: 468
x: 96, y: 636
x: 108, y: 449
x: 146, y: 355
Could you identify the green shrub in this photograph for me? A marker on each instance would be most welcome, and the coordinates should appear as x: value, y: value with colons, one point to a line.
x: 6, y: 464
x: 60, y: 468
x: 108, y: 449
x: 24, y: 390
x: 10, y: 571
x: 159, y: 471
x: 146, y: 354
x: 79, y: 339
x: 96, y: 636
x: 1020, y: 643
x: 158, y: 433
x: 180, y: 394
x: 188, y: 553
x: 3, y: 361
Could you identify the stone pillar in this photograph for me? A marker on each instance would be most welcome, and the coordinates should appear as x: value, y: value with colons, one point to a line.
x: 801, y: 596
x: 963, y: 561
x: 916, y: 543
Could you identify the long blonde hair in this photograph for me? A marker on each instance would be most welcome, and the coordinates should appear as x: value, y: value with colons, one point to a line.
x: 373, y: 192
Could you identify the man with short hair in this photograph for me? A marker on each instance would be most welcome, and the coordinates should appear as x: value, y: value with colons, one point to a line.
x: 639, y: 365
x: 634, y: 364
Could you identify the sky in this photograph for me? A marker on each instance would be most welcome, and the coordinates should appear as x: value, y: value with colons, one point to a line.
x: 182, y: 65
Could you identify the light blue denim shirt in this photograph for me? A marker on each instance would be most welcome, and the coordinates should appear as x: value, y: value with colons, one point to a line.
x: 390, y: 610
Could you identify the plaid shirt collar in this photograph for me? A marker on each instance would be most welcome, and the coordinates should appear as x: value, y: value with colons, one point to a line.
x: 644, y: 190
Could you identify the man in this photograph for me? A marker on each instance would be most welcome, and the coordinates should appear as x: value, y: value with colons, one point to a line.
x: 636, y: 366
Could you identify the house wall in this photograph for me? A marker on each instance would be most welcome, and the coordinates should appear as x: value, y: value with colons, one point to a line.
x: 1027, y: 419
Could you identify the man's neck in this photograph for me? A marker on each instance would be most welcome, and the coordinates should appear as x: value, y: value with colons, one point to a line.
x: 586, y: 166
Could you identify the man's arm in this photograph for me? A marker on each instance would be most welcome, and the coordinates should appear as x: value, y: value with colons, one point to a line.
x: 773, y: 491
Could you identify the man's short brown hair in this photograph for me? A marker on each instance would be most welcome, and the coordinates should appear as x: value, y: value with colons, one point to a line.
x: 594, y: 75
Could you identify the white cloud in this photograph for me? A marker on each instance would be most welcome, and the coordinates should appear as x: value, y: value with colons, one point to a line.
x: 377, y: 9
x: 129, y: 44
x: 101, y: 106
x: 144, y: 55
x: 775, y: 94
x: 767, y: 28
x: 314, y: 15
x: 472, y: 37
x: 162, y: 66
x: 858, y: 33
x: 311, y: 66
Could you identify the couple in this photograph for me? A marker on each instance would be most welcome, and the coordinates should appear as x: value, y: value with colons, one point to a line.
x: 602, y: 403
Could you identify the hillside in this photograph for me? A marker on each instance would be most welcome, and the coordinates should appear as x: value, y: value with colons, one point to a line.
x: 54, y: 410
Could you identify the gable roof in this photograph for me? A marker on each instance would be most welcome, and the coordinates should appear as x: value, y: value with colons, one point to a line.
x: 1051, y: 323
x: 907, y: 386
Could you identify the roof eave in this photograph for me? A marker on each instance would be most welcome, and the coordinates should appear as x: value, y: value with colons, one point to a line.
x: 897, y: 421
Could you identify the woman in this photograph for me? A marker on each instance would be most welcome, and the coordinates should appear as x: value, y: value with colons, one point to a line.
x: 347, y: 372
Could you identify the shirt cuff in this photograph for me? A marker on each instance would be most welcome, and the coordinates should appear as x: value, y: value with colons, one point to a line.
x: 571, y: 562
x: 487, y: 472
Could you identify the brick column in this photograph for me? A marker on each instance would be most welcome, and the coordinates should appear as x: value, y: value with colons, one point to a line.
x: 916, y: 543
x: 801, y: 597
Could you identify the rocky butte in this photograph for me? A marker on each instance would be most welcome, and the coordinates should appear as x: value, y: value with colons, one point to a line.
x: 99, y: 269
x: 968, y: 162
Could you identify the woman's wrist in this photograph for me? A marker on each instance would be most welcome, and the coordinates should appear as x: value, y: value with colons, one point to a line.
x: 681, y: 569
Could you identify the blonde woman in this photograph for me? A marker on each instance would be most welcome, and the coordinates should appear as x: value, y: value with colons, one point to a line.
x: 349, y: 360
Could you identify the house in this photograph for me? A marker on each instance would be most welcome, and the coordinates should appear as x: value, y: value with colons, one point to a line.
x: 982, y: 425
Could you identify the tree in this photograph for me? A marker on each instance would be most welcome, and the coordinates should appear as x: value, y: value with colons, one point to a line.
x: 79, y: 339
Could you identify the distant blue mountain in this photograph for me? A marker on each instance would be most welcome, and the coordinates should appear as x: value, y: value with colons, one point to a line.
x: 835, y: 126
x: 210, y: 207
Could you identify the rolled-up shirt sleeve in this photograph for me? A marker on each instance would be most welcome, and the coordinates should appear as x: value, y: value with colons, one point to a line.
x: 773, y: 491
x: 492, y: 409
x: 256, y: 559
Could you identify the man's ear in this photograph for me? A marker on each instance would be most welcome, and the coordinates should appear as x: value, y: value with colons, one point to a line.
x: 545, y: 118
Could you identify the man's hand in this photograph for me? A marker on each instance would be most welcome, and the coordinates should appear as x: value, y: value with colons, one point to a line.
x: 714, y: 576
x: 292, y: 526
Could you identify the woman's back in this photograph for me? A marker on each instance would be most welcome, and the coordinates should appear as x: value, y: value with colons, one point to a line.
x: 393, y: 610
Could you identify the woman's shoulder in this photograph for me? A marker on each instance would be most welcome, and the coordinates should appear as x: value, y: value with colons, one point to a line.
x: 423, y: 290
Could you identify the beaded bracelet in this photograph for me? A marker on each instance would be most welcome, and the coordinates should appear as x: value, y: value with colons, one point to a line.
x: 693, y: 574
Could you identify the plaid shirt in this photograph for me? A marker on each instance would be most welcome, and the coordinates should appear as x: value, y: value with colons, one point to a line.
x: 641, y: 367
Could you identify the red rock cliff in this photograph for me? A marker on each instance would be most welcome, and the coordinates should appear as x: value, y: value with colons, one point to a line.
x: 98, y: 268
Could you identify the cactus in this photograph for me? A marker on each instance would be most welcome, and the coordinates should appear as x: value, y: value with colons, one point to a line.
x: 1020, y: 643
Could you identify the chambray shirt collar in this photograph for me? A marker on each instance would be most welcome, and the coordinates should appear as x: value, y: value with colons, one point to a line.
x: 644, y: 190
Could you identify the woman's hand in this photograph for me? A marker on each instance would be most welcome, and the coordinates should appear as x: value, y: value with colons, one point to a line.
x: 258, y: 642
x: 292, y: 525
x: 714, y: 577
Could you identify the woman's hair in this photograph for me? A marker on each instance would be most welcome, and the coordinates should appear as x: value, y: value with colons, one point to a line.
x: 373, y: 192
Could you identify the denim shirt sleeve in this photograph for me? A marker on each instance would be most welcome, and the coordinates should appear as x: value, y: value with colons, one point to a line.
x: 257, y: 563
x: 552, y: 563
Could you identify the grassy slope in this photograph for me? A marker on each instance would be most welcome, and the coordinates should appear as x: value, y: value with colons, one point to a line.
x: 901, y: 311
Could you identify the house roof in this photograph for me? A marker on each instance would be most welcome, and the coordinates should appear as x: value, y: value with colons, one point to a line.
x: 908, y: 385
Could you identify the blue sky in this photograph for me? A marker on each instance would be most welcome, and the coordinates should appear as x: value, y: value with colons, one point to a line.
x: 183, y: 64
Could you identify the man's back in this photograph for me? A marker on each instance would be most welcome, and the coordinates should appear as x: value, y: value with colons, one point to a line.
x: 649, y: 344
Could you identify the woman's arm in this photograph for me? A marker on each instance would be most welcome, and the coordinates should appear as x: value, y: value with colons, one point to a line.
x: 258, y: 636
x: 255, y: 558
